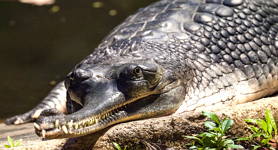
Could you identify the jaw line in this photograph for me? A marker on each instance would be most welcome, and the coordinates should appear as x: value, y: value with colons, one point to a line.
x: 94, y: 123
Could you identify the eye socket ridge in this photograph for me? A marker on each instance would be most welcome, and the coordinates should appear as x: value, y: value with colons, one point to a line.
x: 137, y: 71
x: 131, y: 72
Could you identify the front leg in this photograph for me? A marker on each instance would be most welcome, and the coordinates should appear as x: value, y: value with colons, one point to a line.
x: 54, y: 102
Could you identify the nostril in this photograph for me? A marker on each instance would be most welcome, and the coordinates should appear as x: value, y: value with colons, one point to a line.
x: 81, y: 74
x: 78, y: 75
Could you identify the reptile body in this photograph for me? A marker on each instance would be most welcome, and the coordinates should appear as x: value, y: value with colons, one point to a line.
x: 174, y: 56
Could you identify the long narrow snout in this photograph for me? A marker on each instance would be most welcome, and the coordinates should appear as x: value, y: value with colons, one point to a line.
x: 111, y: 94
x: 99, y: 111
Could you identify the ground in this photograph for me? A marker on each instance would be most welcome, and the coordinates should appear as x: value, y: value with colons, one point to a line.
x: 168, y: 130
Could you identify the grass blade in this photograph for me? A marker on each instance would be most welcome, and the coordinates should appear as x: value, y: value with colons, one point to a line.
x: 117, y: 146
x: 253, y: 121
x: 271, y: 122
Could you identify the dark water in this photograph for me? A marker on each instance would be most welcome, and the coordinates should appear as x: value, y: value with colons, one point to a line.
x: 40, y: 45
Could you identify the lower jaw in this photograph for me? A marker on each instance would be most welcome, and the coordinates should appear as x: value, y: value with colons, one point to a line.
x: 55, y: 133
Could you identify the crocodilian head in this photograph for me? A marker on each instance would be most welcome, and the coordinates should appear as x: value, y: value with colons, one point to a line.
x: 113, y: 93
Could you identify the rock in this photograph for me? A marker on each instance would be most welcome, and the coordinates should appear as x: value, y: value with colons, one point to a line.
x: 167, y: 131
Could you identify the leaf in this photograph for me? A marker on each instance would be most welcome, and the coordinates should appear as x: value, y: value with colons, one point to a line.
x: 253, y: 129
x: 226, y: 125
x: 7, y: 146
x: 256, y: 147
x: 268, y: 122
x: 228, y: 142
x: 10, y: 141
x: 256, y: 135
x: 212, y: 116
x: 253, y: 121
x: 193, y: 147
x: 243, y: 139
x: 207, y: 134
x: 17, y: 143
x: 194, y: 138
x: 265, y: 141
x: 234, y: 146
x: 209, y: 141
x: 263, y: 125
x: 217, y: 130
x: 271, y: 122
x: 210, y: 125
x: 209, y: 148
x: 117, y: 146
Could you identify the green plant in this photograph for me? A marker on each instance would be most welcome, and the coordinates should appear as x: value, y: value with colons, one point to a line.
x: 118, y: 147
x: 263, y: 131
x: 12, y: 143
x: 215, y: 138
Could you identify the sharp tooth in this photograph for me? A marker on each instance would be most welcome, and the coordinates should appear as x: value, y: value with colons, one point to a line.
x: 70, y: 124
x: 70, y: 131
x: 43, y: 133
x: 84, y: 123
x: 75, y: 126
x: 56, y: 123
x: 37, y: 126
x: 96, y: 120
x: 65, y: 129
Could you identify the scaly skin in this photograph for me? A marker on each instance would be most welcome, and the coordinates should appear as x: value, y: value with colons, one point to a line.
x: 172, y: 56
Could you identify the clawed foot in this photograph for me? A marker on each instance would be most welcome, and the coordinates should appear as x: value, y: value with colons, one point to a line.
x: 48, y: 121
x: 31, y: 116
x: 20, y: 119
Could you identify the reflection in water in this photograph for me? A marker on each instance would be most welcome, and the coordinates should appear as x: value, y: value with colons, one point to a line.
x: 39, y: 45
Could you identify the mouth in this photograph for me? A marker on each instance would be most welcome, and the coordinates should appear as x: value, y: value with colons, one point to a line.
x: 130, y: 94
x: 69, y: 126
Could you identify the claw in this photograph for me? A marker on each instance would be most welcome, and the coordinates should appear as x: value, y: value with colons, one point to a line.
x: 18, y: 121
x: 37, y: 126
x: 37, y: 113
x: 56, y: 123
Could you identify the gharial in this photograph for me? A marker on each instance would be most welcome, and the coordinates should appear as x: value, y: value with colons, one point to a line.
x: 173, y: 56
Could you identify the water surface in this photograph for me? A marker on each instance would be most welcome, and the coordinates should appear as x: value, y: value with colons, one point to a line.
x: 40, y: 45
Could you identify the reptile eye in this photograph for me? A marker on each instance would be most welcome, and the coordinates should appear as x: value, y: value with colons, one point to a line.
x: 137, y: 71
